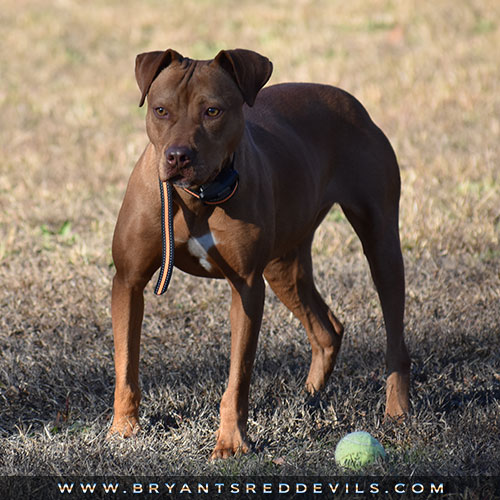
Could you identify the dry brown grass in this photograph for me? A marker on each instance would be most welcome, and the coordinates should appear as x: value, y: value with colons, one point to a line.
x: 428, y: 72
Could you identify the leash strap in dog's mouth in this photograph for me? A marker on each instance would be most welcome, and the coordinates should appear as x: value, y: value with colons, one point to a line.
x: 167, y: 236
x: 214, y: 193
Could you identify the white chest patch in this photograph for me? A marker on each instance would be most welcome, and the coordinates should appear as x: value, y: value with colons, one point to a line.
x: 199, y: 247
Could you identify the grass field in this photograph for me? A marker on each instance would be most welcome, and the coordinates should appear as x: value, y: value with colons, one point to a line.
x: 71, y: 131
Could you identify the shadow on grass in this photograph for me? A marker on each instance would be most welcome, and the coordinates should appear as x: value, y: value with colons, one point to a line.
x: 64, y: 384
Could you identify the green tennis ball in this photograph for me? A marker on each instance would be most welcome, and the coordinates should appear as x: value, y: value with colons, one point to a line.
x: 358, y: 449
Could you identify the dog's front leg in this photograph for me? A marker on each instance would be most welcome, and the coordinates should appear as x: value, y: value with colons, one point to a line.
x: 246, y: 316
x: 127, y: 306
x: 136, y: 254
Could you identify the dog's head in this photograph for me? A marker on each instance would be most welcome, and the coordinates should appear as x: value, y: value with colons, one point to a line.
x: 195, y: 109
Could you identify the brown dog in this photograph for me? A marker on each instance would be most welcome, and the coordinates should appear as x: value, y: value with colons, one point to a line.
x: 298, y: 149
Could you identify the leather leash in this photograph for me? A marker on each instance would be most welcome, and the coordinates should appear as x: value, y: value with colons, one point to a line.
x: 167, y: 237
x: 220, y: 190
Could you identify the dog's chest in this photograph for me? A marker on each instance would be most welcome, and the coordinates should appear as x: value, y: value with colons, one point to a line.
x: 199, y: 247
x: 195, y: 254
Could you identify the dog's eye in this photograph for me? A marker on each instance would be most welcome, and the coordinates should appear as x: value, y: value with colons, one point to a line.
x: 213, y: 112
x: 161, y: 112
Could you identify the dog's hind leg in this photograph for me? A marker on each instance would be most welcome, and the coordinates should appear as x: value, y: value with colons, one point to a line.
x: 291, y: 279
x: 378, y: 231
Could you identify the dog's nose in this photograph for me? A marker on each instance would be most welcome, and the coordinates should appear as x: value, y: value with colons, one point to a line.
x: 179, y: 157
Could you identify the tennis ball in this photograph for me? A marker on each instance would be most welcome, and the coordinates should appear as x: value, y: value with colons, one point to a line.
x: 358, y: 449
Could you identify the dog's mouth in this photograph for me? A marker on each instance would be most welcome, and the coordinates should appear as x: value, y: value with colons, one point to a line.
x: 183, y: 177
x: 191, y: 177
x: 179, y: 180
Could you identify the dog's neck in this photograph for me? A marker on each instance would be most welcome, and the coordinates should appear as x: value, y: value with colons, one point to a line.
x: 219, y: 190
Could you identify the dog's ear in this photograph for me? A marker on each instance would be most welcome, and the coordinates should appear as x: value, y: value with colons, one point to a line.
x: 149, y: 65
x: 249, y: 70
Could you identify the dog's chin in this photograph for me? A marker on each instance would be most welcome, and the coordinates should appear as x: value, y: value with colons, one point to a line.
x: 179, y: 181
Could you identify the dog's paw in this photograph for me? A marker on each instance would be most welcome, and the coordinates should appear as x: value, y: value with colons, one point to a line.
x: 124, y: 427
x: 397, y: 399
x: 230, y: 444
